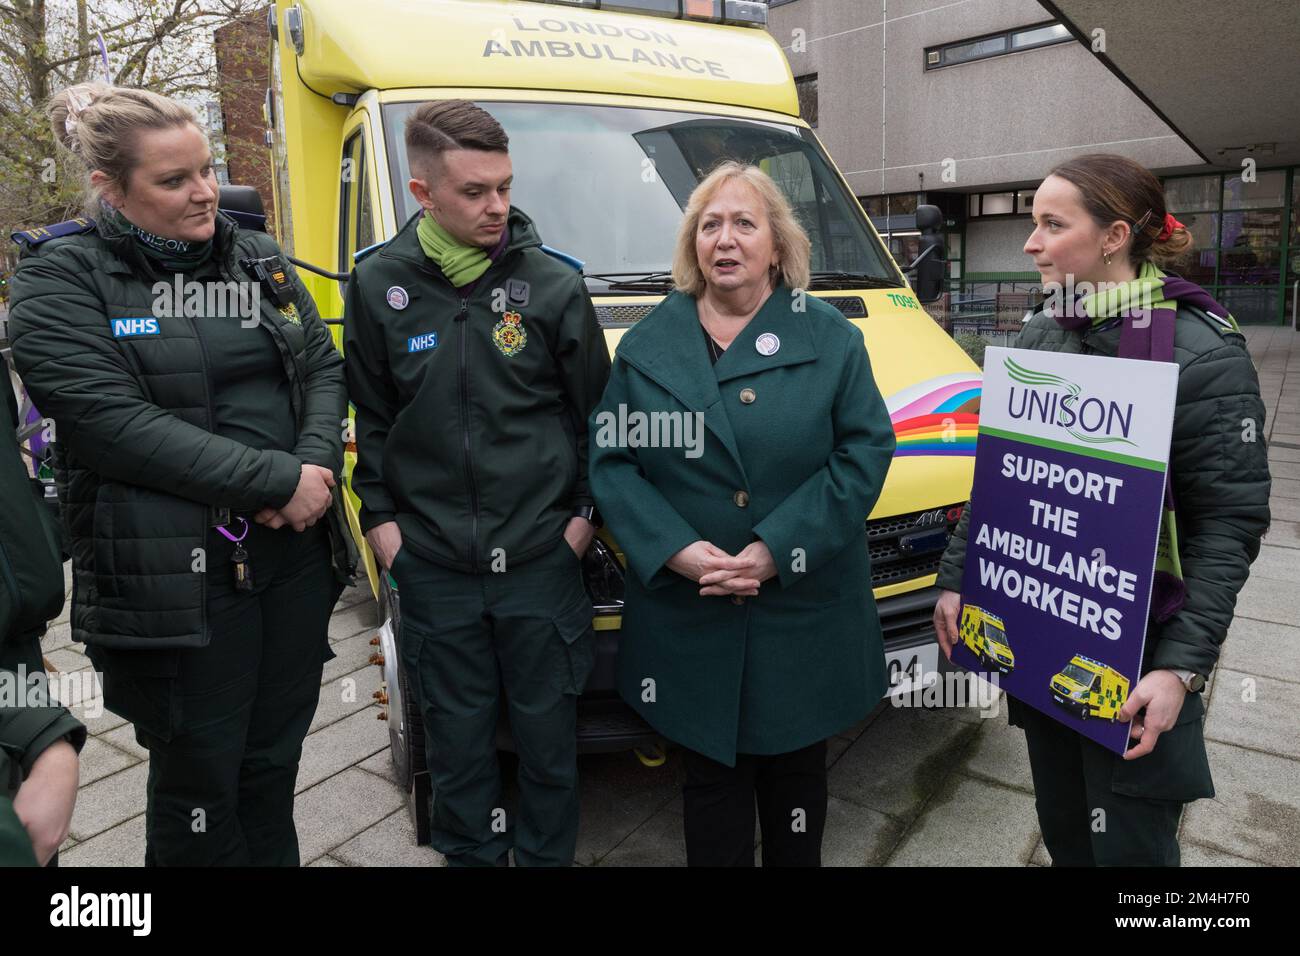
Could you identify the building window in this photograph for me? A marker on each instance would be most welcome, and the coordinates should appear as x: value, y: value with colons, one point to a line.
x: 996, y: 44
x: 806, y: 89
x: 1018, y: 202
x: 1240, y: 248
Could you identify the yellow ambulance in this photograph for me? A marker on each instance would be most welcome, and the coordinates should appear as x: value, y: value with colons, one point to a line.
x: 985, y: 635
x: 1089, y: 688
x: 615, y: 109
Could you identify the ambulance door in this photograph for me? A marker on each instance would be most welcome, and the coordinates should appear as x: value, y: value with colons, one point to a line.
x: 357, y: 201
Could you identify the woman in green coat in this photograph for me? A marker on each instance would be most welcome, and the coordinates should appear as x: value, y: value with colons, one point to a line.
x: 736, y: 453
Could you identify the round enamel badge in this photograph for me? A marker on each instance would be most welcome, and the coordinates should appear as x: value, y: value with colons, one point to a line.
x: 509, y: 334
x: 397, y: 297
x: 767, y: 344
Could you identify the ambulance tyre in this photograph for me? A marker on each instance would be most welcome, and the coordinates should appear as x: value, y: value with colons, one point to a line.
x: 405, y: 726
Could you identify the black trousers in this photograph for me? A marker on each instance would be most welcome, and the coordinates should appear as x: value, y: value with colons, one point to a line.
x: 790, y: 792
x: 224, y: 724
x: 1085, y: 822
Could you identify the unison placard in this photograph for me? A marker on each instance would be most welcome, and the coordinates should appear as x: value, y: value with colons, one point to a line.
x: 1065, y: 516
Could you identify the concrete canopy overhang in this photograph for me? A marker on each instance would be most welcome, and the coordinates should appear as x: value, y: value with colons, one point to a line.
x: 1225, y: 76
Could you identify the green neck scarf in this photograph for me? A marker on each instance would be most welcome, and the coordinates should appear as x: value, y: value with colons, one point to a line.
x: 175, y: 255
x: 461, y: 264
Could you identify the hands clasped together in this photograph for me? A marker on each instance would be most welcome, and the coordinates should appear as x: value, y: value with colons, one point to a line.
x: 720, y: 574
x: 311, y: 499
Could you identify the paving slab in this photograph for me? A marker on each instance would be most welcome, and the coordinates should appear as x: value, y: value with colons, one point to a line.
x: 109, y: 801
x: 1195, y: 855
x: 1263, y: 599
x: 858, y: 836
x: 123, y: 845
x: 1276, y: 564
x: 352, y: 620
x: 1256, y: 712
x: 99, y: 759
x: 898, y: 762
x: 340, y: 745
x: 123, y: 738
x: 1282, y: 453
x: 1263, y: 647
x: 660, y: 841
x: 1040, y: 856
x: 1255, y: 812
x: 999, y: 755
x: 346, y: 695
x: 1283, y: 509
x: 57, y: 636
x: 619, y: 794
x: 381, y: 765
x: 333, y: 812
x: 66, y: 660
x: 1284, y: 469
x: 350, y: 654
x: 1285, y: 488
x: 390, y: 842
x: 969, y: 822
x: 1284, y: 534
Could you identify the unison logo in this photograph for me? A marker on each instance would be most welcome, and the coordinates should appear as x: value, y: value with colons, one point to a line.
x: 1054, y: 400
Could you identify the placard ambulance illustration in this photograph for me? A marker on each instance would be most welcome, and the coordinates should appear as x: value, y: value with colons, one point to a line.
x: 985, y: 635
x: 1089, y: 688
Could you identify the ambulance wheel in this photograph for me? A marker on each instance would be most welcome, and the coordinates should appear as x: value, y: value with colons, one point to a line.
x: 405, y: 726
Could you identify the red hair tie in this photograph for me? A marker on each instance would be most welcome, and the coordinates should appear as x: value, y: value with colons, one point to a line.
x: 1170, y: 225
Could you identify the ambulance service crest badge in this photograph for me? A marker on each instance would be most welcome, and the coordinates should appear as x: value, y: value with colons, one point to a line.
x: 509, y: 334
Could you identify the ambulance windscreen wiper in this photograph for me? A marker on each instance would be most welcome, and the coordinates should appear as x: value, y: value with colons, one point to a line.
x: 851, y: 280
x: 635, y: 281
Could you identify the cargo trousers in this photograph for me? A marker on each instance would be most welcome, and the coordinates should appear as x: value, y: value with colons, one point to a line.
x: 224, y: 724
x: 463, y: 638
x: 1097, y: 809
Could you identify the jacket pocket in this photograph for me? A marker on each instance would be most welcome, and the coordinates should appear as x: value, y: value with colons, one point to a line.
x: 1177, y: 769
x: 577, y: 654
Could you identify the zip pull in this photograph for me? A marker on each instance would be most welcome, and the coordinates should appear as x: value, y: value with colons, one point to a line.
x: 464, y: 310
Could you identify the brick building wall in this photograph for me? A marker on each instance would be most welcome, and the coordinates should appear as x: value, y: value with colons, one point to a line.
x: 243, y: 71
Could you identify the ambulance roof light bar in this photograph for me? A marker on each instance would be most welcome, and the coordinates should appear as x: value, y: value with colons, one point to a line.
x: 750, y: 13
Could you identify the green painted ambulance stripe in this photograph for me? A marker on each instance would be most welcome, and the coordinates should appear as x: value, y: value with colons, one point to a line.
x: 1133, y: 460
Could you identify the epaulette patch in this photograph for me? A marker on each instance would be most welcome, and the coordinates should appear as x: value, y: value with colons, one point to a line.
x: 564, y: 257
x: 34, y: 237
x: 362, y: 253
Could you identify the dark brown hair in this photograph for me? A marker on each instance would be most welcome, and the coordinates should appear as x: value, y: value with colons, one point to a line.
x: 1117, y: 188
x: 441, y: 125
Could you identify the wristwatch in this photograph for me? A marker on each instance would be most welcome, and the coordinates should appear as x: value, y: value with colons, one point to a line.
x: 1191, y: 680
x: 590, y: 513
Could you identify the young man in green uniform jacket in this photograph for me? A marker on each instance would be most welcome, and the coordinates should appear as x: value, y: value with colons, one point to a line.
x: 473, y: 360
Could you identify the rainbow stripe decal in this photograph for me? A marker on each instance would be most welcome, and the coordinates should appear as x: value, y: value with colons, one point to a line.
x: 939, y: 416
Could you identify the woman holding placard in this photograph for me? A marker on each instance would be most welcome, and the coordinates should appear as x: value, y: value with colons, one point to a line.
x: 1101, y: 234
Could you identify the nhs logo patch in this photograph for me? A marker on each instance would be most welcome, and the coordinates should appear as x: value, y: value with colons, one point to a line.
x: 425, y: 340
x: 130, y: 328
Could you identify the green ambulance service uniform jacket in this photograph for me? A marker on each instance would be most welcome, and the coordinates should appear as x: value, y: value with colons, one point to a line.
x: 796, y: 446
x: 141, y: 475
x: 1221, y: 487
x: 471, y: 404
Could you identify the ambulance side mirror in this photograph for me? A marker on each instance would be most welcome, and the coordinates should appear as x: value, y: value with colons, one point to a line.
x: 929, y: 269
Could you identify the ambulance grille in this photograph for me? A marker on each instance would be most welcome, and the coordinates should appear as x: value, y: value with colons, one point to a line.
x: 892, y: 565
x: 622, y: 316
x: 851, y: 306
